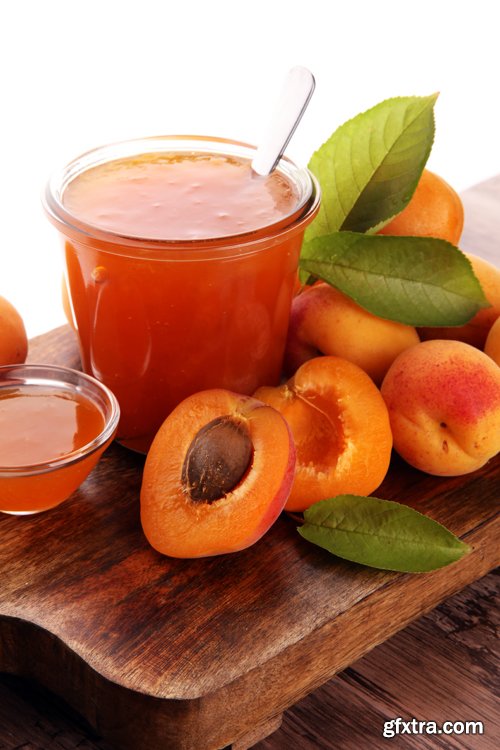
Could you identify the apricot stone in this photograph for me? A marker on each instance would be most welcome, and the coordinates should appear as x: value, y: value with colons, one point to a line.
x: 217, y: 459
x: 13, y: 339
x: 476, y: 330
x: 340, y: 427
x: 443, y: 399
x: 325, y: 321
x: 217, y: 475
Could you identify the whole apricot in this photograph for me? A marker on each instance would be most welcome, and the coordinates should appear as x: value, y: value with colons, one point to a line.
x: 492, y: 345
x: 434, y: 210
x: 325, y: 321
x: 13, y: 339
x: 476, y: 330
x: 340, y: 427
x: 217, y: 475
x: 443, y: 399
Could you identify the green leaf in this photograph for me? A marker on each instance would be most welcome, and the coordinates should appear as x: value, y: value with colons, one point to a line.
x: 369, y: 168
x: 381, y: 533
x: 421, y: 281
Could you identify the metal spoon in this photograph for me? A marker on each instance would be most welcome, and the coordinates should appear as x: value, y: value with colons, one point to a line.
x: 297, y: 91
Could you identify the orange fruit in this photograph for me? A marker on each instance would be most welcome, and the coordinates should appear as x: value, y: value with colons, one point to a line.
x: 492, y: 345
x: 443, y: 399
x: 476, y: 330
x: 340, y: 426
x: 325, y: 321
x: 217, y: 475
x: 13, y: 339
x: 435, y: 210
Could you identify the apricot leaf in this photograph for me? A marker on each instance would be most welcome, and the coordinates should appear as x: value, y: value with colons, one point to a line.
x: 369, y: 168
x: 381, y: 534
x: 420, y: 281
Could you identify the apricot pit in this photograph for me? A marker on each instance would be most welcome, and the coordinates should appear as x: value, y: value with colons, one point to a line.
x: 217, y: 460
x: 217, y: 475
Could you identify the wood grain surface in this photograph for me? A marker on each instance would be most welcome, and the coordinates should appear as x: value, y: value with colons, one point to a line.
x: 200, y: 654
x: 443, y: 667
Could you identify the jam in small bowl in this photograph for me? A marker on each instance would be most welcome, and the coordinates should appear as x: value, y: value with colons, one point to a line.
x: 55, y: 423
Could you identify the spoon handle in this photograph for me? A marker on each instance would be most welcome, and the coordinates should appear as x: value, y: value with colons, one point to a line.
x: 295, y: 96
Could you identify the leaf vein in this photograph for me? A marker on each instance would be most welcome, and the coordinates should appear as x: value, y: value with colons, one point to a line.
x: 384, y: 537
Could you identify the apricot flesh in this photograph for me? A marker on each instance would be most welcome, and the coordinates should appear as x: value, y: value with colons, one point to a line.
x: 443, y: 399
x: 217, y: 475
x: 476, y: 330
x: 13, y: 338
x: 340, y: 427
x: 325, y: 321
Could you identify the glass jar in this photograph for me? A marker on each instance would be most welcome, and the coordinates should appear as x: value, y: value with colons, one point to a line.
x: 159, y: 318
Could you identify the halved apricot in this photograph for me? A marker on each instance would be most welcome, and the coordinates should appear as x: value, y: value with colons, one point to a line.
x: 217, y: 475
x: 340, y: 426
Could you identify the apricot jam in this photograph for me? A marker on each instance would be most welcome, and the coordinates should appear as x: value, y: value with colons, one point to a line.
x: 52, y: 433
x: 179, y: 196
x: 181, y: 265
x: 42, y: 423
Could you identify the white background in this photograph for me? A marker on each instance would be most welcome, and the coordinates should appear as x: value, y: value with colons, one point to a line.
x: 78, y: 74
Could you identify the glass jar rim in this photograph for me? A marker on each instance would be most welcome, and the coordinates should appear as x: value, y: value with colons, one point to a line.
x: 73, y: 381
x: 69, y: 224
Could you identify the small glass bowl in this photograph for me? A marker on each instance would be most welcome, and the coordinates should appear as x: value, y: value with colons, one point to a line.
x: 38, y: 486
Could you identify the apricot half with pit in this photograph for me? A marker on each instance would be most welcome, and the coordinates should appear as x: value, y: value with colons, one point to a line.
x: 217, y: 475
x: 340, y: 427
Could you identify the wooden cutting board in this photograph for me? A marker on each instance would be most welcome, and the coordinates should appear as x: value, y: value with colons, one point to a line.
x: 198, y: 655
